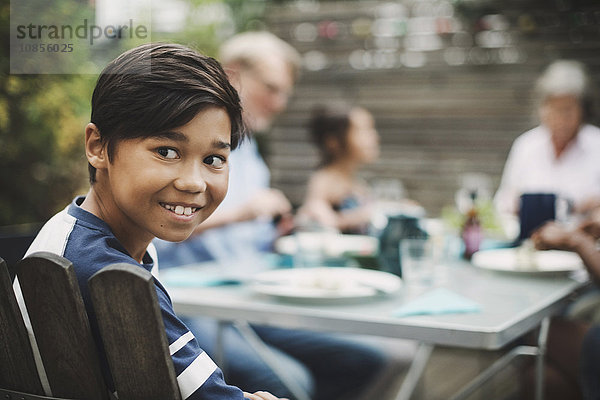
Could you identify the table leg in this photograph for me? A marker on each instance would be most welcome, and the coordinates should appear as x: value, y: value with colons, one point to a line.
x: 493, y: 369
x: 219, y: 344
x: 417, y: 367
x: 539, y: 370
x: 265, y: 353
x: 538, y: 351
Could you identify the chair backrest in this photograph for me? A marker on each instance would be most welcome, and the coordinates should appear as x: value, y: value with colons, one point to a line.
x: 133, y: 333
x: 14, y: 242
x: 15, y: 395
x: 129, y: 321
x: 61, y: 327
x: 17, y: 365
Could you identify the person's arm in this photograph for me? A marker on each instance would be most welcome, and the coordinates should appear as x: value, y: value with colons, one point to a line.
x: 261, y: 396
x: 198, y: 377
x: 354, y: 218
x: 318, y: 206
x: 592, y: 226
x: 319, y: 211
x: 507, y: 197
x: 267, y: 203
x: 588, y: 205
x: 553, y: 236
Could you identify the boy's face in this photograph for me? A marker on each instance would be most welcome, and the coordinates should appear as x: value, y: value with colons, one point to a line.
x: 164, y: 186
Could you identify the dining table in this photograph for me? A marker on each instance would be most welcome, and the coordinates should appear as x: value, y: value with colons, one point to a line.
x: 465, y: 306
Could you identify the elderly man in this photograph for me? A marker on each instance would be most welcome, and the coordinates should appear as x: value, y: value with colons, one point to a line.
x: 263, y: 69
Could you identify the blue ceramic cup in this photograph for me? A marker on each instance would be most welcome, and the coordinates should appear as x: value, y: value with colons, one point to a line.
x: 535, y: 210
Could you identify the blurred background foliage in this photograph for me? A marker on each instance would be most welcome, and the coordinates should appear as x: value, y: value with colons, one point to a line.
x: 43, y: 116
x: 445, y: 106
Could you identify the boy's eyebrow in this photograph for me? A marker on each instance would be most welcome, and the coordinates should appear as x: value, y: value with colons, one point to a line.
x: 180, y: 137
x: 221, y: 144
x: 171, y: 135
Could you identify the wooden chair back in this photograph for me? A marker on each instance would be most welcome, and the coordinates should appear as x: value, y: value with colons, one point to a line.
x: 61, y: 327
x: 17, y: 365
x: 14, y: 242
x: 133, y: 333
x: 129, y: 320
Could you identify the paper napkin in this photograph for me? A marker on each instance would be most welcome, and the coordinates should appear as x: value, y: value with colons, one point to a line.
x: 438, y: 301
x: 191, y: 278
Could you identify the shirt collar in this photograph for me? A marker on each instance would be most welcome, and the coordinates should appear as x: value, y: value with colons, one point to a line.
x: 93, y: 222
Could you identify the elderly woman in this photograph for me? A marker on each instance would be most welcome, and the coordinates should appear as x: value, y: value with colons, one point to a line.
x: 561, y: 154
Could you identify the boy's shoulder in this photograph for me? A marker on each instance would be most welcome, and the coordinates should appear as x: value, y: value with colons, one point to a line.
x: 54, y: 234
x: 83, y: 239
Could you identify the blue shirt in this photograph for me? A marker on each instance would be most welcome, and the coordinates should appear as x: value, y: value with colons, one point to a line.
x: 90, y: 245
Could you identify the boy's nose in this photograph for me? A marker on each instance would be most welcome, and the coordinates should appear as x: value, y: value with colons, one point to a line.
x: 191, y: 180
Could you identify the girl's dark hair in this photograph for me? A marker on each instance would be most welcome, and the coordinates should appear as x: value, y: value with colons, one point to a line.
x: 327, y: 123
x: 157, y: 87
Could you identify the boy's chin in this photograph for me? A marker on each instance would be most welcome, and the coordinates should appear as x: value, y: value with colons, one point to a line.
x: 175, y: 237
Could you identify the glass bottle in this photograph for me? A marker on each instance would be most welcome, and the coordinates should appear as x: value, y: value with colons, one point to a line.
x: 472, y: 232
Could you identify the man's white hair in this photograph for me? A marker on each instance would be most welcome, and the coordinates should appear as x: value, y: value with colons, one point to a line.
x: 248, y: 48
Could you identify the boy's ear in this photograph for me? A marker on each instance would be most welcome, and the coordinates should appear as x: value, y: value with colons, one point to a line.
x: 95, y: 148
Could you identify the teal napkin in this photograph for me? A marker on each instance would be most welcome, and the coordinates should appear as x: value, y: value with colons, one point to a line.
x: 190, y: 278
x: 438, y: 301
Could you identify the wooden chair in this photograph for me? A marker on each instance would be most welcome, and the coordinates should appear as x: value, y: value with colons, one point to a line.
x: 129, y: 322
x: 14, y: 242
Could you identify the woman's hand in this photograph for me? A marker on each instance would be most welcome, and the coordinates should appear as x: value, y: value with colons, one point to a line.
x: 592, y: 226
x: 552, y: 236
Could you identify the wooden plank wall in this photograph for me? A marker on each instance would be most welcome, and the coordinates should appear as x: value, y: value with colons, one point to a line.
x: 436, y: 121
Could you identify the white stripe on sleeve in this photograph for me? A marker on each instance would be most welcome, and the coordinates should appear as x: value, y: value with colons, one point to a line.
x: 179, y: 343
x: 54, y: 235
x: 195, y: 375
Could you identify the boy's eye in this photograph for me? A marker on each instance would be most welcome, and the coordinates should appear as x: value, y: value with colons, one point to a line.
x: 167, y: 152
x: 215, y: 161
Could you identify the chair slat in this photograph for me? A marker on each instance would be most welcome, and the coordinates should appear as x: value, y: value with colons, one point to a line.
x: 17, y: 365
x: 131, y: 326
x: 61, y: 326
x: 13, y: 394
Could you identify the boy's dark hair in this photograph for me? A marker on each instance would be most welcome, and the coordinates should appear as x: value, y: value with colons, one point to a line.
x: 156, y: 87
x: 327, y: 123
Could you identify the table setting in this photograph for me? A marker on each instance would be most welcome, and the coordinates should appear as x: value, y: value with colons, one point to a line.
x: 410, y: 261
x: 316, y: 281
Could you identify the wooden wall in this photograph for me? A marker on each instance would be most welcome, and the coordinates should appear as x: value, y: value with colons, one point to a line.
x: 436, y: 121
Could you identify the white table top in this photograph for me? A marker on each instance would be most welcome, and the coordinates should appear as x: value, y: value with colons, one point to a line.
x: 511, y: 305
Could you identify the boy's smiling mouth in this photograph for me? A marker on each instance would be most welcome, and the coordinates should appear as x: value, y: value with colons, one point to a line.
x: 179, y: 209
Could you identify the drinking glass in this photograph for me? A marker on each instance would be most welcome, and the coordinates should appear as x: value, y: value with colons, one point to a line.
x: 417, y: 255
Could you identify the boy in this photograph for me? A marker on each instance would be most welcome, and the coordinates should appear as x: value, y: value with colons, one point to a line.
x: 164, y: 120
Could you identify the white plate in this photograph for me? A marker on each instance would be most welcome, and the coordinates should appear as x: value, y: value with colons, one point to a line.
x: 330, y: 244
x: 325, y: 283
x: 520, y: 259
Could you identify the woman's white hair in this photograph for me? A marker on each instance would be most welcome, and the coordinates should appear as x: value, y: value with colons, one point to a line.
x: 565, y: 77
x: 248, y: 48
